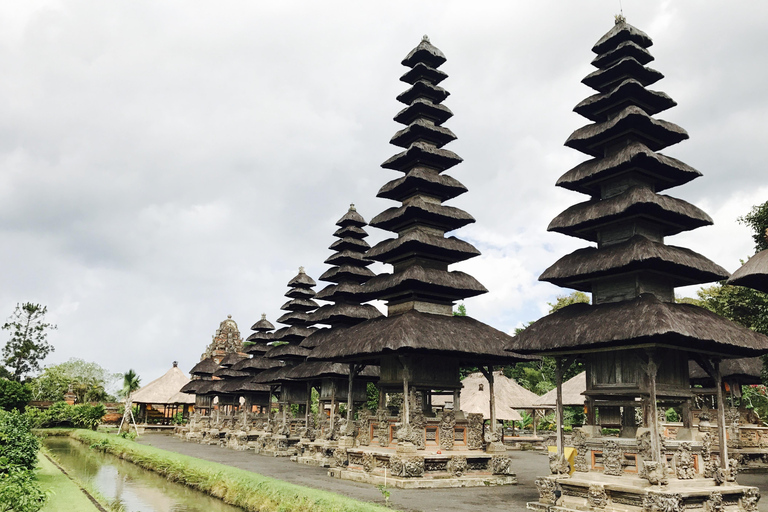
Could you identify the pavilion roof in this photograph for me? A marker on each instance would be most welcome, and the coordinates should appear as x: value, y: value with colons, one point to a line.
x: 753, y: 274
x: 165, y: 389
x: 509, y: 395
x: 746, y: 370
x: 572, y: 393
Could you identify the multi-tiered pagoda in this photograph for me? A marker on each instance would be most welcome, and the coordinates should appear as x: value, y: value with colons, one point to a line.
x: 634, y: 339
x: 420, y: 345
x: 257, y: 396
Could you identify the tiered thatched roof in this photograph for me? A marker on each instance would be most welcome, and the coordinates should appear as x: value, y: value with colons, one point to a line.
x: 165, y: 389
x: 754, y: 273
x: 421, y: 291
x: 631, y: 273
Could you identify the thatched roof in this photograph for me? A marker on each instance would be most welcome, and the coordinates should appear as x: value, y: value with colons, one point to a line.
x: 422, y: 107
x: 426, y: 53
x: 230, y: 359
x: 165, y: 389
x: 205, y: 367
x: 607, y: 78
x: 584, y: 220
x: 422, y: 129
x: 422, y: 180
x: 347, y: 273
x: 253, y: 364
x: 414, y: 331
x: 302, y: 280
x: 422, y: 71
x: 426, y: 282
x: 509, y: 396
x: 247, y: 385
x: 421, y: 242
x: 422, y: 213
x: 317, y: 369
x: 746, y: 371
x: 642, y: 321
x: 596, y: 107
x: 683, y: 266
x: 572, y: 393
x: 263, y: 324
x: 667, y: 172
x: 625, y: 49
x: 333, y: 314
x: 422, y: 153
x: 287, y: 351
x: 271, y: 376
x: 754, y: 273
x: 423, y: 89
x: 619, y: 33
x: 656, y: 134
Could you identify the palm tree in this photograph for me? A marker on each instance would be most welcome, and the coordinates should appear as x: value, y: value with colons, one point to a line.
x: 131, y: 382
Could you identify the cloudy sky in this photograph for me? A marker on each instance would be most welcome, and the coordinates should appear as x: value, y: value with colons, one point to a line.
x: 166, y: 163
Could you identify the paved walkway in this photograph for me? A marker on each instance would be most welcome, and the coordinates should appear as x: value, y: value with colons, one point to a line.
x: 509, y: 498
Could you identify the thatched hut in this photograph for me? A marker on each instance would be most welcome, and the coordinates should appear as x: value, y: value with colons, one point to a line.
x: 475, y: 397
x: 161, y: 400
x: 635, y: 340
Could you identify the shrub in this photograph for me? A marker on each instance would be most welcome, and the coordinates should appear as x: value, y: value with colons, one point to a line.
x: 14, y: 395
x: 19, y: 492
x: 62, y: 413
x: 87, y: 416
x: 18, y: 446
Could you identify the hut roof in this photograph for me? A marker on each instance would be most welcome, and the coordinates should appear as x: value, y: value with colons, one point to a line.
x: 509, y: 396
x: 643, y: 321
x: 165, y: 389
x: 754, y: 273
x: 746, y: 370
x: 205, y: 367
x: 263, y: 324
x: 572, y: 393
x: 317, y: 369
x: 414, y: 331
x: 230, y: 359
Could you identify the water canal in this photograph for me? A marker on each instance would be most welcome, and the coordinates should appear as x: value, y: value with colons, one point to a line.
x: 124, y: 483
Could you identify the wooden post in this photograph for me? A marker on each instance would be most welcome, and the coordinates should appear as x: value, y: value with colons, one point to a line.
x: 382, y: 398
x: 686, y: 413
x: 533, y: 412
x: 309, y: 404
x: 333, y: 404
x: 488, y: 373
x: 721, y: 437
x: 350, y: 403
x: 406, y: 396
x: 456, y: 400
x: 652, y: 369
x: 559, y: 404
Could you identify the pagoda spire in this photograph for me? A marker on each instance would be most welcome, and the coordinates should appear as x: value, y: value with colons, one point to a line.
x: 625, y: 215
x: 346, y: 275
x: 298, y: 318
x: 421, y: 253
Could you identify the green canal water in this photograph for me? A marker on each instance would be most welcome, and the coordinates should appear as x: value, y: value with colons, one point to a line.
x: 124, y: 483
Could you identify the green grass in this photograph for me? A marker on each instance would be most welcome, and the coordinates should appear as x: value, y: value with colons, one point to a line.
x: 64, y: 495
x: 247, y: 490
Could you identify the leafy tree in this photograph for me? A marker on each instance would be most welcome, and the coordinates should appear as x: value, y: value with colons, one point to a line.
x: 88, y: 381
x: 131, y: 382
x: 14, y: 395
x: 19, y: 491
x: 27, y: 345
x: 757, y: 219
x: 461, y: 310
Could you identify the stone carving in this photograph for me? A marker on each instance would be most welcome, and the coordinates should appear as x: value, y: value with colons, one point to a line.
x: 714, y: 503
x: 475, y: 431
x: 364, y: 428
x: 684, y: 462
x: 597, y: 497
x: 655, y: 473
x: 340, y: 458
x: 704, y: 415
x: 410, y: 467
x: 407, y: 434
x: 558, y: 465
x: 369, y: 462
x: 612, y: 458
x: 546, y: 488
x: 749, y: 499
x: 457, y: 465
x: 418, y: 422
x: 447, y: 424
x: 501, y: 465
x: 579, y: 441
x: 382, y: 428
x: 662, y: 502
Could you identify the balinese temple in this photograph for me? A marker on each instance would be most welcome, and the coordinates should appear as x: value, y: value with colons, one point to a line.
x: 287, y: 349
x: 634, y: 339
x: 257, y: 396
x: 226, y: 340
x: 420, y: 345
x: 229, y: 380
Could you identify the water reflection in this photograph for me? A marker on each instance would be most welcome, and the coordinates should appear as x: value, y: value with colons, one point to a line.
x: 136, y: 489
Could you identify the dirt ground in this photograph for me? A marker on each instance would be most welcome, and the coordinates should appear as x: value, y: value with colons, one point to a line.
x: 528, y: 465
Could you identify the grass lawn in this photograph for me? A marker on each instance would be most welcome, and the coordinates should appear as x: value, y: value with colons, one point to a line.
x: 64, y: 495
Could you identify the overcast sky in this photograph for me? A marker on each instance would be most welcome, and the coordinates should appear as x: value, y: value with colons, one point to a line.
x: 164, y: 164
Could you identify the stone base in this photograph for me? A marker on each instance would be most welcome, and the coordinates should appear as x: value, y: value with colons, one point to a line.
x: 424, y: 482
x: 591, y: 491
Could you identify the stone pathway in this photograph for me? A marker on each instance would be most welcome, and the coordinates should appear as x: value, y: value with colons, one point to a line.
x: 511, y: 498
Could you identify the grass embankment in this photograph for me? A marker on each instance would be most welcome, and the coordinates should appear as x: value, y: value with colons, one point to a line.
x: 250, y: 491
x: 64, y: 495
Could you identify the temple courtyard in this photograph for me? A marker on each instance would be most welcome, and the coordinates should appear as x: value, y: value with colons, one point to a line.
x: 528, y: 465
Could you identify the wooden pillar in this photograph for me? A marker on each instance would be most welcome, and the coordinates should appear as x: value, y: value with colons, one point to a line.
x: 350, y: 403
x: 309, y: 404
x: 686, y: 413
x: 488, y: 373
x: 590, y: 418
x: 456, y: 400
x: 333, y: 404
x: 559, y: 363
x: 382, y: 398
x: 721, y: 435
x: 533, y: 413
x: 653, y: 413
x: 406, y: 394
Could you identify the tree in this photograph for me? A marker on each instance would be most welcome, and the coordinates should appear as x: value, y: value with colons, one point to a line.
x: 88, y: 381
x: 14, y: 395
x: 757, y: 219
x: 27, y: 345
x: 461, y: 310
x: 131, y: 382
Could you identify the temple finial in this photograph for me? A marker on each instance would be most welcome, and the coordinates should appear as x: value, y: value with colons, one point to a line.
x: 263, y: 316
x: 301, y: 270
x: 352, y: 207
x: 619, y: 19
x: 425, y: 38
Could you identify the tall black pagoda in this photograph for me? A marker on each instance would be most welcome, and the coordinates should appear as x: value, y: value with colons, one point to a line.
x: 634, y: 339
x: 257, y: 396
